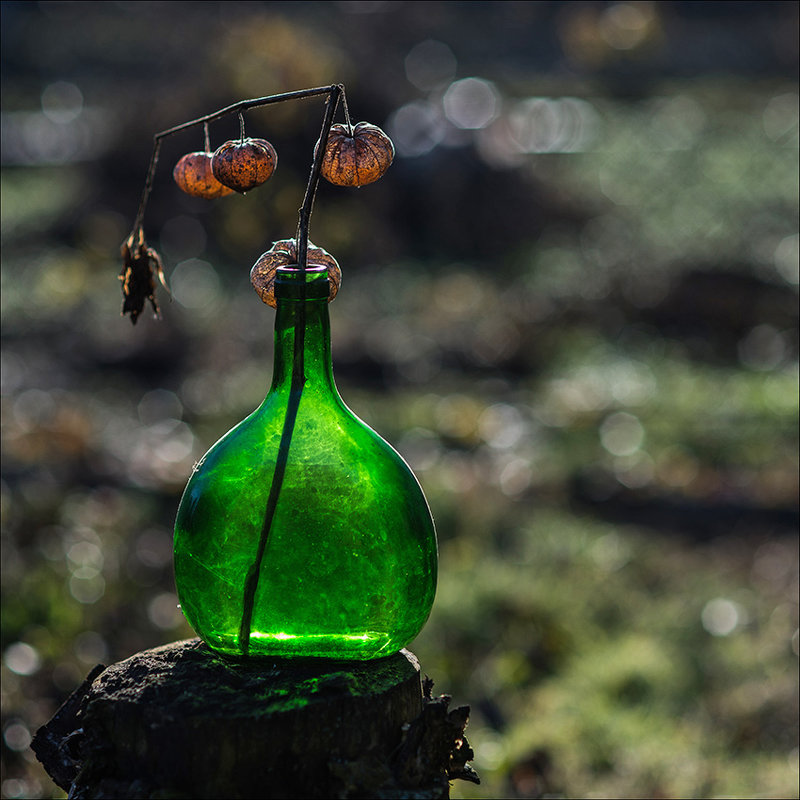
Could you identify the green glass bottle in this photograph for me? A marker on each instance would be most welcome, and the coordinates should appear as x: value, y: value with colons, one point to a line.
x: 302, y: 532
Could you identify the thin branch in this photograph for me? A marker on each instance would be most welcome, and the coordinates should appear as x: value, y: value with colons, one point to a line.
x: 241, y: 106
x: 148, y: 185
x: 346, y: 112
x: 298, y: 378
x: 313, y: 178
x: 244, y: 105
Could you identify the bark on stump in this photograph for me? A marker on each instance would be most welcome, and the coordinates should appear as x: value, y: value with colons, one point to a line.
x: 182, y: 722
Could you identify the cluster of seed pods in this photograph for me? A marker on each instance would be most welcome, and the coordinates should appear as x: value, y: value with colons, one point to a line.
x: 354, y: 156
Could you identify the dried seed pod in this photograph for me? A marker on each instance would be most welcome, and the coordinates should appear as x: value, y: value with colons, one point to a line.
x: 356, y: 158
x: 244, y: 164
x: 284, y: 254
x: 194, y: 175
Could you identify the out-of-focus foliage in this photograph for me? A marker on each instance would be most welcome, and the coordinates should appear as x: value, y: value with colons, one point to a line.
x: 571, y: 303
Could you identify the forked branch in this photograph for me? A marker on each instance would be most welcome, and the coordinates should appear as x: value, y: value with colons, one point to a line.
x: 137, y: 291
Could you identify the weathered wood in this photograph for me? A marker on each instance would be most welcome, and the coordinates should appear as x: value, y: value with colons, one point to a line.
x: 180, y: 721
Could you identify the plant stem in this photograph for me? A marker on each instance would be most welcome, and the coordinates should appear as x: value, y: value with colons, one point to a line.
x: 334, y: 92
x: 298, y: 377
x: 254, y: 573
x: 313, y: 179
x: 347, y: 114
x: 148, y: 185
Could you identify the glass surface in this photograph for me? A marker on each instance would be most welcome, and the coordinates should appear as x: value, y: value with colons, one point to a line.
x: 331, y: 553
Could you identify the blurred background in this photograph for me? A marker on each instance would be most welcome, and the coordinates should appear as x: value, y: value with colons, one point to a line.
x: 571, y: 304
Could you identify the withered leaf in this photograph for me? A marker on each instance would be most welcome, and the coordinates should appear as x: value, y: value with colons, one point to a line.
x: 140, y: 265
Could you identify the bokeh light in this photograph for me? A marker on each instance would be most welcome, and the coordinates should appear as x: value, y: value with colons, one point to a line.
x: 430, y: 65
x: 471, y: 103
x: 195, y: 284
x: 62, y: 102
x: 416, y: 128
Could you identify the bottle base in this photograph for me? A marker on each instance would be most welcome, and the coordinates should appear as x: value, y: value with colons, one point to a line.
x: 350, y: 647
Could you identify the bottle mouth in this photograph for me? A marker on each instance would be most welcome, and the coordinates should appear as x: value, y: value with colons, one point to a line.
x: 289, y: 283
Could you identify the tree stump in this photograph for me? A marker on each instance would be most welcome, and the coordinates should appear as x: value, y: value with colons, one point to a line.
x: 181, y: 721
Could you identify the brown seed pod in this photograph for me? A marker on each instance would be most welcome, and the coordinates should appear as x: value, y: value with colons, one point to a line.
x: 244, y: 164
x: 284, y: 254
x: 357, y: 158
x: 194, y: 175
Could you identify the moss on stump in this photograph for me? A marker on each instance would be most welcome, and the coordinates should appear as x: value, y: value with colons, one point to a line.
x: 180, y: 721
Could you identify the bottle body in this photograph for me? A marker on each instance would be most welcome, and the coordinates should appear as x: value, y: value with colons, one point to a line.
x: 340, y: 561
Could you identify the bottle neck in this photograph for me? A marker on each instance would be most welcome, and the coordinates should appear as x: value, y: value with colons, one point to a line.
x: 302, y: 345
